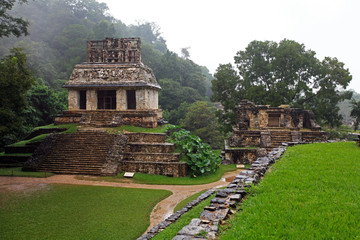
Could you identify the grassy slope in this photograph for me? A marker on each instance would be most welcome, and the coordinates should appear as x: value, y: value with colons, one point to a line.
x: 127, y: 128
x: 78, y: 212
x: 313, y: 192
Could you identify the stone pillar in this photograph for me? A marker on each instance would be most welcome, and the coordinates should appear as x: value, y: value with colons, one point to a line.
x: 91, y: 99
x: 140, y: 99
x: 151, y: 99
x: 121, y: 102
x: 73, y: 100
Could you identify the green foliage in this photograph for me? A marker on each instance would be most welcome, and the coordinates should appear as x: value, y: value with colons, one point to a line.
x: 341, y: 132
x: 11, y: 25
x: 45, y: 104
x: 283, y: 73
x: 200, y: 158
x: 201, y: 120
x: 311, y: 193
x: 81, y: 212
x: 15, y: 81
x: 228, y: 92
x: 355, y: 113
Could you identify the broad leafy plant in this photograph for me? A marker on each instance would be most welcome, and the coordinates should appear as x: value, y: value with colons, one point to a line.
x: 200, y: 157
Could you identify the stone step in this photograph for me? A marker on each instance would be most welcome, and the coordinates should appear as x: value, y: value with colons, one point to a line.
x: 78, y: 153
x: 175, y: 169
x: 152, y: 157
x: 150, y: 147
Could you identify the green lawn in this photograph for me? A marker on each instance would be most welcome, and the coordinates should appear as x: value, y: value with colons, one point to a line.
x: 312, y: 192
x: 77, y: 212
x: 16, y: 172
x: 165, y: 180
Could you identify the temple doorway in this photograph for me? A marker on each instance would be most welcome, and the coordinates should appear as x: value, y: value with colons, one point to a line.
x: 131, y: 99
x: 106, y: 99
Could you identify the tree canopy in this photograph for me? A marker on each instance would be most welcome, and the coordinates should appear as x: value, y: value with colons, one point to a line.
x: 355, y: 113
x: 9, y: 24
x: 283, y: 73
x: 56, y: 42
x: 15, y: 81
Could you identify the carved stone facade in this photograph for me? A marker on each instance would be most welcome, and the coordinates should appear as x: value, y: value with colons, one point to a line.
x: 263, y: 127
x: 115, y: 81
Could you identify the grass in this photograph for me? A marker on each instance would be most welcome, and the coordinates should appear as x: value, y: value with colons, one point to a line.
x: 71, y: 128
x: 77, y: 212
x: 312, y: 192
x: 184, y: 202
x: 143, y: 178
x: 32, y: 140
x: 127, y: 128
x: 184, y: 220
x: 16, y: 172
x: 16, y: 154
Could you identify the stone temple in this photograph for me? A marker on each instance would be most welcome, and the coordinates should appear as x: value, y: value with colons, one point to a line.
x: 113, y: 87
x: 261, y: 128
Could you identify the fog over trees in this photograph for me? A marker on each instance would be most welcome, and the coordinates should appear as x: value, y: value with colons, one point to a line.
x: 53, y: 35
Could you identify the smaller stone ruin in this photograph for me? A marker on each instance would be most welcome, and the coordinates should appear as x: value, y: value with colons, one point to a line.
x: 261, y: 128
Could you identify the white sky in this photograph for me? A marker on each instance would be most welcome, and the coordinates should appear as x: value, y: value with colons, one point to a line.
x: 216, y: 29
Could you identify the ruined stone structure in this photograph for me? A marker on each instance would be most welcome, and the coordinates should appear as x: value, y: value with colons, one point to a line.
x: 261, y: 128
x: 113, y: 87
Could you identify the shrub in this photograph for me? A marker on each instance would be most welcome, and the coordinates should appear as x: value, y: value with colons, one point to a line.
x: 199, y: 156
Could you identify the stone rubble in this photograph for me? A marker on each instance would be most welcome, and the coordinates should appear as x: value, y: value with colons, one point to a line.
x: 172, y: 218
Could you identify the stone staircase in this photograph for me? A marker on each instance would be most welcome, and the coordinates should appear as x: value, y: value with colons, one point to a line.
x: 83, y: 152
x: 149, y: 153
x: 279, y: 137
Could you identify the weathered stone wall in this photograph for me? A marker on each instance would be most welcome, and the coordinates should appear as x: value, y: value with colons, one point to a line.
x: 175, y: 169
x: 110, y: 118
x: 121, y: 102
x: 245, y: 138
x: 73, y: 100
x: 114, y: 156
x: 91, y: 99
x: 240, y: 156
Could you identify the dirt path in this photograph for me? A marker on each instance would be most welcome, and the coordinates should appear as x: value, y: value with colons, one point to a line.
x: 160, y: 212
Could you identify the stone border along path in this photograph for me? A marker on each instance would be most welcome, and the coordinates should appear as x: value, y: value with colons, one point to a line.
x: 159, y: 213
x: 220, y: 206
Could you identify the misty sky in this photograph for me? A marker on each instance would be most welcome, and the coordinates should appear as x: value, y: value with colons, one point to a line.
x: 215, y: 30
